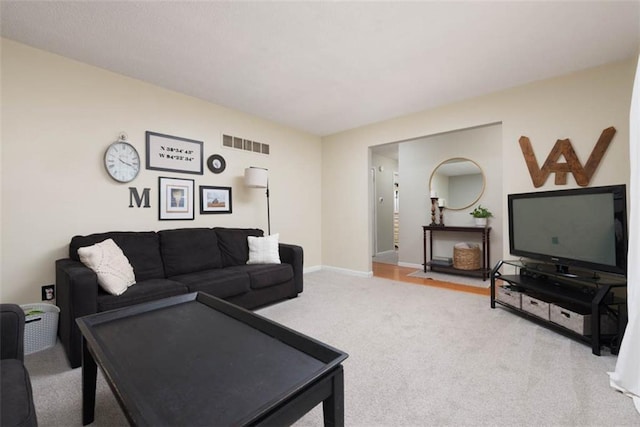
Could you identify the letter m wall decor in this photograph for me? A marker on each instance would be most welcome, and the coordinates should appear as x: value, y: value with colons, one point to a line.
x: 582, y: 174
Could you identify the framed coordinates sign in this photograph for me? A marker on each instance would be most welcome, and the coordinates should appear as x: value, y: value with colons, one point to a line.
x: 176, y: 198
x: 175, y: 154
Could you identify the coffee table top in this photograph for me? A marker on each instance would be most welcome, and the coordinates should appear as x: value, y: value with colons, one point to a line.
x: 195, y: 359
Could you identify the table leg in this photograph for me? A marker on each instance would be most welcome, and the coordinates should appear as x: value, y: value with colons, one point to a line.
x: 89, y: 376
x: 424, y: 250
x: 333, y: 406
x: 595, y: 318
x: 488, y: 267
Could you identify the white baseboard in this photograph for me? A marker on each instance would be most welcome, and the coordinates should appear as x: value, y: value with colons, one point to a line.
x: 383, y: 253
x: 354, y: 272
x: 347, y: 271
x: 306, y: 270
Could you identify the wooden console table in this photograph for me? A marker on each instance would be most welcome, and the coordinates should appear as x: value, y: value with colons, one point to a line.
x: 483, y: 272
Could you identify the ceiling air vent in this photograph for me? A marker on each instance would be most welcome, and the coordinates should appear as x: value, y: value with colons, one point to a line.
x: 244, y: 144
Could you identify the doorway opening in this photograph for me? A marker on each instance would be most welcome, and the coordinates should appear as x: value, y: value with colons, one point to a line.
x: 385, y: 205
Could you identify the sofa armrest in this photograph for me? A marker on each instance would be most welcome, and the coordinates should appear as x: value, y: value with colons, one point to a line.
x: 294, y: 255
x: 12, y: 332
x: 77, y: 296
x: 15, y: 384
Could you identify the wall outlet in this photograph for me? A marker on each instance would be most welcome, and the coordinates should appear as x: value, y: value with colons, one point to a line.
x: 48, y: 292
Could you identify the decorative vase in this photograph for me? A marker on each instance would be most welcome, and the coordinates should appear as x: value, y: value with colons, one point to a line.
x: 481, y: 222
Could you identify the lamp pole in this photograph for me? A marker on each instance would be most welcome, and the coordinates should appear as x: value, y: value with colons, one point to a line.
x: 268, y: 211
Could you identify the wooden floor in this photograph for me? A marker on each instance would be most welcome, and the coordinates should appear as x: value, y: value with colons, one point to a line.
x: 394, y: 272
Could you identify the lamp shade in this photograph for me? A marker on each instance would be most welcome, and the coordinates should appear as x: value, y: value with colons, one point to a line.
x: 256, y: 177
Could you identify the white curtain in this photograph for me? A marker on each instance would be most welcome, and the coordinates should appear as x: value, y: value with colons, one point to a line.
x: 626, y: 377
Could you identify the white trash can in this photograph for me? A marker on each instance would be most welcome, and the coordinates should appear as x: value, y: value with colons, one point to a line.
x: 41, y: 326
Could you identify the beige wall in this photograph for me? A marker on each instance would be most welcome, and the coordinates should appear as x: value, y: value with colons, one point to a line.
x: 577, y: 106
x: 59, y: 116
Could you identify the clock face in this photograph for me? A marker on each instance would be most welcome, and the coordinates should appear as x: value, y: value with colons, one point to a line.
x: 122, y: 161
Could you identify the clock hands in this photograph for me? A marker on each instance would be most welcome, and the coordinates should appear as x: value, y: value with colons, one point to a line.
x: 126, y: 163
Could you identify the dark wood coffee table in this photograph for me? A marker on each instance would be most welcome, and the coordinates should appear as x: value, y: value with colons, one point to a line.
x: 197, y: 360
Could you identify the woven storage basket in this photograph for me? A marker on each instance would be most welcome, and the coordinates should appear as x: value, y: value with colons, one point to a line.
x: 40, y: 329
x: 466, y: 256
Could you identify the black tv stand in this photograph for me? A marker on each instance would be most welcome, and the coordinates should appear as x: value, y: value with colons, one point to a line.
x: 564, y: 270
x: 591, y: 309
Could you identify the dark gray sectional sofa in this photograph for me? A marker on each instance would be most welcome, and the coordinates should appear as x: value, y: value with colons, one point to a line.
x: 174, y: 262
x: 16, y: 404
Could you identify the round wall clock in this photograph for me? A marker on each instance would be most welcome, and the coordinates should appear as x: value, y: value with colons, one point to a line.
x: 216, y: 163
x: 122, y: 161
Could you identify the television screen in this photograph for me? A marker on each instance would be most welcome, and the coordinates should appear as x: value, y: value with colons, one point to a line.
x: 584, y: 227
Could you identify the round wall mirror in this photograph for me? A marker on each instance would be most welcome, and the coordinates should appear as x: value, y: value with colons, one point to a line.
x: 459, y: 181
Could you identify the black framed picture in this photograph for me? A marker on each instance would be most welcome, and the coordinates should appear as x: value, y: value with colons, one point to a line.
x: 176, y: 198
x: 216, y: 163
x: 215, y: 200
x: 174, y: 154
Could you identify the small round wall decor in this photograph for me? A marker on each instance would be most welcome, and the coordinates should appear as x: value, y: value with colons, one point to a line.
x: 216, y: 163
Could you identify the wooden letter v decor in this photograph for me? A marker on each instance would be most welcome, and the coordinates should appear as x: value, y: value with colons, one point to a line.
x: 563, y: 147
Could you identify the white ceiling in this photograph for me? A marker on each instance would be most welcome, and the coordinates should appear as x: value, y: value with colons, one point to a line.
x: 325, y: 67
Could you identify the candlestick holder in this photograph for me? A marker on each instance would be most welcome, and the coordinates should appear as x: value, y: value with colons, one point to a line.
x: 441, y: 215
x: 434, y: 203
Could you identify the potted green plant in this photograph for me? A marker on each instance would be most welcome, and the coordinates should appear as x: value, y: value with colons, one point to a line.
x: 481, y: 215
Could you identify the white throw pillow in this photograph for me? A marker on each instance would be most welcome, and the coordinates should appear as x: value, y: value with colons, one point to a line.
x: 112, y: 267
x: 264, y: 250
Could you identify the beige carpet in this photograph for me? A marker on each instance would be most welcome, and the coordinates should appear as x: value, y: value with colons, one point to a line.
x: 418, y: 356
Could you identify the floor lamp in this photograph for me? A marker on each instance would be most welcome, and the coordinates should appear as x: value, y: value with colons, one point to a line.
x: 255, y: 177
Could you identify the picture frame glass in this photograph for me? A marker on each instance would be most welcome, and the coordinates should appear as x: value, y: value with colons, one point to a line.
x: 174, y: 154
x: 176, y: 199
x: 215, y: 200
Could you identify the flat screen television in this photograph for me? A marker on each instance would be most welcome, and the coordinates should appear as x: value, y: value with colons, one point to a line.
x: 583, y: 227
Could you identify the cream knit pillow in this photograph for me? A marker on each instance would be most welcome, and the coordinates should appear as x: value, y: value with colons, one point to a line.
x: 112, y: 267
x: 264, y: 250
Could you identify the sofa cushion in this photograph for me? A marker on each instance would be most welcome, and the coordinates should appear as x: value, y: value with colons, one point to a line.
x: 142, y: 249
x: 265, y: 275
x: 149, y: 290
x: 106, y: 259
x: 233, y: 244
x: 264, y: 250
x: 15, y: 388
x: 188, y: 250
x: 221, y: 283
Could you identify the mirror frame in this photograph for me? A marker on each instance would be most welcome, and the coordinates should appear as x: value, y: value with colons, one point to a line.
x: 484, y: 180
